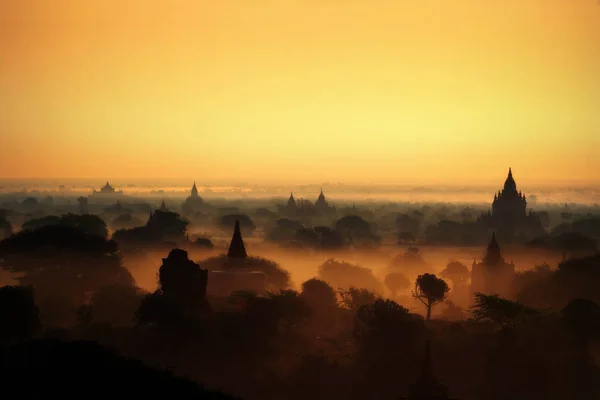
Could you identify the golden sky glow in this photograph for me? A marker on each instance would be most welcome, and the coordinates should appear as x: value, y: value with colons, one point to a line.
x: 299, y: 91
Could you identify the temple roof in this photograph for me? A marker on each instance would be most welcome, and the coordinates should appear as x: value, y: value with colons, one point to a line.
x: 163, y: 206
x: 321, y: 196
x: 493, y: 254
x: 237, y: 249
x: 427, y: 386
x: 510, y: 184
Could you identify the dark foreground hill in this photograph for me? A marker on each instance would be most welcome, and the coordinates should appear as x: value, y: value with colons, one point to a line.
x: 85, y: 370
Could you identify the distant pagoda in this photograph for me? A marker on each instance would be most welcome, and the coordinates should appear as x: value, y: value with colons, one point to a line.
x: 493, y: 275
x: 509, y: 216
x: 237, y: 249
x: 193, y: 202
x: 108, y: 190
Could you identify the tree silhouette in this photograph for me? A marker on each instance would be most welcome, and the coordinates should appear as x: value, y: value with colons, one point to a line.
x: 354, y: 298
x: 114, y: 304
x: 396, y: 281
x: 503, y: 312
x: 5, y: 228
x: 457, y: 272
x: 39, y: 222
x: 245, y: 222
x: 430, y: 290
x: 83, y: 204
x: 583, y: 318
x: 342, y: 274
x: 167, y: 225
x: 63, y: 260
x: 88, y: 223
x: 319, y: 294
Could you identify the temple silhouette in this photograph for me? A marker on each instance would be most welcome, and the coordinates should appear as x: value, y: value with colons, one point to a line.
x: 306, y: 208
x: 193, y: 202
x: 237, y: 249
x: 107, y: 189
x: 493, y: 275
x: 236, y: 273
x: 427, y: 387
x: 509, y: 217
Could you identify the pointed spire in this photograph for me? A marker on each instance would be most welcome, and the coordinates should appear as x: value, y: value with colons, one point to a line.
x: 163, y: 206
x: 194, y: 190
x: 493, y: 254
x: 237, y: 249
x: 426, y: 369
x: 427, y: 386
x: 509, y: 184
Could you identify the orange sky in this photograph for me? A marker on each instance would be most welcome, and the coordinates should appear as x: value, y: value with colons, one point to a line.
x: 301, y: 91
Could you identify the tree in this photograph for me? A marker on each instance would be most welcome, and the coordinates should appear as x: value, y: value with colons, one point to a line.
x: 457, y: 272
x: 115, y: 304
x: 126, y: 221
x: 319, y: 294
x: 342, y: 274
x: 357, y: 229
x: 64, y: 261
x: 88, y: 223
x: 582, y: 316
x: 354, y: 298
x: 229, y: 220
x: 5, y: 228
x: 167, y: 225
x: 19, y: 316
x: 384, y: 332
x: 396, y: 281
x: 503, y: 312
x: 39, y: 222
x: 430, y: 290
x: 83, y: 204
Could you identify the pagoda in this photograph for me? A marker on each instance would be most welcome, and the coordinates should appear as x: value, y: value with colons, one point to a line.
x: 193, y: 202
x: 107, y: 190
x: 493, y: 275
x: 237, y: 249
x: 509, y: 216
x: 427, y: 387
x: 322, y: 206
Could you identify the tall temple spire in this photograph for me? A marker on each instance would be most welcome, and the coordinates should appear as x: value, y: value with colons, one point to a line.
x: 194, y: 190
x: 427, y: 387
x: 510, y: 184
x: 493, y: 254
x: 321, y: 196
x: 163, y: 206
x: 237, y: 249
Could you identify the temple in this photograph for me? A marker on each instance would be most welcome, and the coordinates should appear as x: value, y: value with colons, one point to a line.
x: 427, y: 387
x: 163, y: 207
x: 509, y: 217
x: 193, y: 202
x: 236, y: 273
x: 305, y: 208
x: 493, y: 275
x: 322, y: 206
x: 237, y: 249
x: 107, y: 190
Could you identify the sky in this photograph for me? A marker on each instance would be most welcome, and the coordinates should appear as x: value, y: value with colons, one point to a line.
x: 301, y: 91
